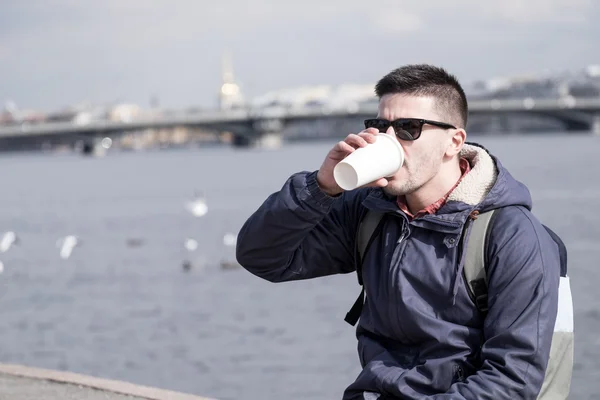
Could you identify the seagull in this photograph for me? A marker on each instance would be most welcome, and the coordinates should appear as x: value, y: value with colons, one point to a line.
x: 67, y: 244
x: 197, y: 206
x: 8, y: 239
x: 191, y: 244
x: 230, y: 239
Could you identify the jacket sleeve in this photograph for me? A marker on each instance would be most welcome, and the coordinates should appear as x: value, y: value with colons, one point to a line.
x: 299, y: 232
x: 523, y: 279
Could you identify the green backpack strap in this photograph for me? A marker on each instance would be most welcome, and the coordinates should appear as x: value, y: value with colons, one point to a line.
x: 366, y: 231
x: 474, y: 268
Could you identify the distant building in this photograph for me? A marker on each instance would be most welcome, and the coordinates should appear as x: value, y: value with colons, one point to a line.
x: 11, y: 114
x: 583, y: 83
x: 124, y: 112
x: 341, y: 97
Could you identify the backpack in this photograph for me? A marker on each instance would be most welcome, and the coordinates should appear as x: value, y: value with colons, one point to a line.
x: 557, y: 379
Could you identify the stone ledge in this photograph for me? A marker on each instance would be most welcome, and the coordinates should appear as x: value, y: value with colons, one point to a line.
x: 98, y: 384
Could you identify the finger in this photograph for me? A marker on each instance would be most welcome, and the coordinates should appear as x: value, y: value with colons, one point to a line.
x: 343, y: 147
x: 368, y: 136
x: 355, y: 140
x: 372, y: 131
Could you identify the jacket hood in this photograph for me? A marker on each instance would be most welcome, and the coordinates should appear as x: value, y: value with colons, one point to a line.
x: 488, y: 185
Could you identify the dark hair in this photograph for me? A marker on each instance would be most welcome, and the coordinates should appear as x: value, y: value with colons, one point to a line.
x: 427, y: 80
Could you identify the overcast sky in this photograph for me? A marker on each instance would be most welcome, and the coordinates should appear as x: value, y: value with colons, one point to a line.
x: 55, y: 53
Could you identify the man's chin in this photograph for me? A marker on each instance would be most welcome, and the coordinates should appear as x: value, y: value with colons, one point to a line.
x: 390, y: 190
x: 396, y: 187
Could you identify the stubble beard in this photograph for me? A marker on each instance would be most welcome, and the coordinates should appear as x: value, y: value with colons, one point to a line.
x: 402, y: 186
x: 414, y: 179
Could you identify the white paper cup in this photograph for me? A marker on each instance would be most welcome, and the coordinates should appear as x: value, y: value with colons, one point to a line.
x: 377, y: 160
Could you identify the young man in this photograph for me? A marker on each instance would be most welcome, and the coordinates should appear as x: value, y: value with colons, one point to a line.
x: 420, y: 335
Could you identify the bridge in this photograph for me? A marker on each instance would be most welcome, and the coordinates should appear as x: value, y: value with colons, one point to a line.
x: 249, y: 126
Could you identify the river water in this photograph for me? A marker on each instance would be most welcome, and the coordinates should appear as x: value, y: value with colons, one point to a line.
x: 122, y: 306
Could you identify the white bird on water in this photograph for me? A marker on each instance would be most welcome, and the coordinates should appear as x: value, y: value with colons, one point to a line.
x: 229, y: 239
x: 197, y: 206
x: 8, y: 239
x: 67, y: 244
x: 191, y: 244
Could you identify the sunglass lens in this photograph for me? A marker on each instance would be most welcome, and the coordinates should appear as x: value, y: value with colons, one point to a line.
x: 379, y: 124
x: 407, y: 130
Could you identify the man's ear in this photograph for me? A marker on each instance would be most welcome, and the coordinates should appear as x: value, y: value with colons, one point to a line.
x: 457, y: 140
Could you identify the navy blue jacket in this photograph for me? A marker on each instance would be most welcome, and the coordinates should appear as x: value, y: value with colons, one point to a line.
x: 419, y: 334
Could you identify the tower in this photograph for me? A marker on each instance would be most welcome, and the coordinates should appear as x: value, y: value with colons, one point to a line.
x: 230, y: 95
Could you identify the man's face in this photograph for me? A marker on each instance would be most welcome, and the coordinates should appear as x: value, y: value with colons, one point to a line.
x: 422, y: 157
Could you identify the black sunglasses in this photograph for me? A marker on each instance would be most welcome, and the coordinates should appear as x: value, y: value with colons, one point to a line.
x: 405, y: 128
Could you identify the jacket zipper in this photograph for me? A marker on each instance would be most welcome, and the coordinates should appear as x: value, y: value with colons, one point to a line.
x: 393, y: 272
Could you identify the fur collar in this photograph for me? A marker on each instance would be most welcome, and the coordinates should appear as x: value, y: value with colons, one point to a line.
x: 477, y: 183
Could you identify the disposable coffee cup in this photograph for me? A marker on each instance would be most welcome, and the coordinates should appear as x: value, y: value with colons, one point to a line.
x: 364, y: 165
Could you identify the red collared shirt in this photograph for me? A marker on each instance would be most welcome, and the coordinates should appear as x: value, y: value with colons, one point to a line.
x: 465, y: 167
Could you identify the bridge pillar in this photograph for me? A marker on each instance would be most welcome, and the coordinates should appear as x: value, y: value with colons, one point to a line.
x: 270, y: 140
x: 263, y: 133
x: 267, y: 140
x: 242, y: 141
x: 269, y: 132
x: 94, y: 146
x: 596, y: 125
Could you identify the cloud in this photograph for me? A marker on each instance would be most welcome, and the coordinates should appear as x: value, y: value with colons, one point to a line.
x: 398, y: 21
x: 63, y: 51
x: 444, y: 17
x: 563, y: 12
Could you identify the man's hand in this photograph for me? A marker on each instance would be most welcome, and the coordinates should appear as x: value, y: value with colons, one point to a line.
x: 338, y: 153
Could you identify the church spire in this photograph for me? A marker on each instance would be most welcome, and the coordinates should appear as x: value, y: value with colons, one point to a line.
x: 227, y: 68
x: 230, y: 95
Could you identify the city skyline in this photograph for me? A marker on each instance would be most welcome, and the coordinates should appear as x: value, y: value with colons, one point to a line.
x: 59, y: 53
